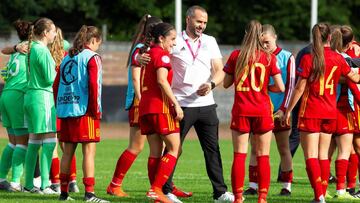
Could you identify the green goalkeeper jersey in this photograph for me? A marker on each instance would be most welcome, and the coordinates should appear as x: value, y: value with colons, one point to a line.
x: 41, y: 72
x: 16, y: 72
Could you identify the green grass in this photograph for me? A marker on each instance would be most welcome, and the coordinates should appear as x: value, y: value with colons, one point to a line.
x: 190, y: 175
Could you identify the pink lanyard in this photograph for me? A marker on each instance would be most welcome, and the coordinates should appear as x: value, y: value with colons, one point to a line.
x: 194, y: 55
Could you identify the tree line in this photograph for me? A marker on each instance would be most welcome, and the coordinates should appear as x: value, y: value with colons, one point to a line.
x: 227, y: 18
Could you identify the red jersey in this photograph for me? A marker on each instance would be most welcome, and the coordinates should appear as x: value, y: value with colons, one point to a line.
x: 153, y: 100
x: 352, y: 52
x: 319, y: 99
x: 251, y: 88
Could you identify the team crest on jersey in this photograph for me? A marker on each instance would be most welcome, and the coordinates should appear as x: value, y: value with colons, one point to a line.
x: 68, y: 73
x: 165, y: 59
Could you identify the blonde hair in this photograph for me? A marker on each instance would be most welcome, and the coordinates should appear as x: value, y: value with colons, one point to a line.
x: 250, y: 44
x: 57, y: 48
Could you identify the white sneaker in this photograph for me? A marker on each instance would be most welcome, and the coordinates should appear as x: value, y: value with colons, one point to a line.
x: 226, y: 197
x: 173, y: 198
x: 37, y: 182
x: 15, y: 187
x: 49, y: 191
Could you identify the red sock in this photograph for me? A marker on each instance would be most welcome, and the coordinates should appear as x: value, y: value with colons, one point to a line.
x: 325, y: 173
x: 263, y: 176
x: 123, y: 164
x: 89, y: 183
x: 238, y: 174
x: 286, y: 176
x: 64, y: 179
x: 314, y: 174
x: 340, y: 169
x: 352, y: 171
x: 253, y: 174
x: 55, y: 170
x: 73, y: 169
x: 165, y: 168
x: 153, y: 164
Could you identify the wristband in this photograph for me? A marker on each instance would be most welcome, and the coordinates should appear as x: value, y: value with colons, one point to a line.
x: 212, y: 85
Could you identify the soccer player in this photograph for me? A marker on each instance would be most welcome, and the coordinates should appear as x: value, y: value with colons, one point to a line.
x: 160, y: 120
x: 12, y: 113
x: 250, y: 69
x: 58, y: 52
x: 78, y: 103
x: 39, y: 104
x: 133, y: 95
x: 280, y: 101
x: 319, y: 74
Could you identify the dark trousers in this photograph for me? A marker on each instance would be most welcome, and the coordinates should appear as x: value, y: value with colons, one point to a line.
x: 206, y: 124
x: 294, y: 138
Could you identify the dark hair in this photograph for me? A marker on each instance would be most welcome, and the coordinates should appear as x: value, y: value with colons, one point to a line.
x: 250, y: 44
x: 347, y: 35
x: 84, y: 36
x: 320, y: 34
x: 336, y: 38
x: 161, y: 29
x: 37, y: 29
x: 191, y: 11
x: 146, y: 23
x: 23, y: 29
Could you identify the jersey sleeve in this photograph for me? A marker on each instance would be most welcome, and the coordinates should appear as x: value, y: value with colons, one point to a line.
x: 290, y: 83
x: 304, y: 69
x: 94, y: 71
x: 354, y: 90
x: 274, y: 66
x: 230, y: 65
x: 134, y: 62
x: 162, y: 61
x: 48, y: 66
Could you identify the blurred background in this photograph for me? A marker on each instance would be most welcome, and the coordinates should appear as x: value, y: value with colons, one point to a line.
x: 118, y: 20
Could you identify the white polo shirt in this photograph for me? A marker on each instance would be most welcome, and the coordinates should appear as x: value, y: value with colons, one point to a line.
x: 190, y: 71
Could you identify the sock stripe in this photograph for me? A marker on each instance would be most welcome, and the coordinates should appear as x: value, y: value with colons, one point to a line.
x: 12, y: 146
x: 37, y: 142
x: 21, y: 146
x: 49, y: 140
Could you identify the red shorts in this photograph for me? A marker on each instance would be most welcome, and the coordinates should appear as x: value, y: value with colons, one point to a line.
x: 58, y: 124
x: 357, y: 119
x: 316, y: 125
x: 256, y: 125
x: 80, y: 129
x: 133, y: 114
x: 345, y: 122
x: 280, y: 125
x: 162, y: 124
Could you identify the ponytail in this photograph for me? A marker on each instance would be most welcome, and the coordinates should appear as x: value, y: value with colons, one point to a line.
x: 84, y: 36
x: 320, y: 34
x: 146, y: 24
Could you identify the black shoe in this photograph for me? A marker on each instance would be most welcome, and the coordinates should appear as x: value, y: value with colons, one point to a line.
x: 4, y: 185
x: 285, y: 192
x: 250, y: 191
x: 356, y: 194
x: 64, y: 196
x: 332, y: 179
x: 351, y: 191
x: 91, y: 197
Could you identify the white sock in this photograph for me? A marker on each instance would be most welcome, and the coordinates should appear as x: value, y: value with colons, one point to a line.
x: 287, y: 186
x: 253, y: 185
x: 341, y: 192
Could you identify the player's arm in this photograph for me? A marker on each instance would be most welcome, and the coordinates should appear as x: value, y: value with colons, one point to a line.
x: 21, y: 47
x: 94, y: 71
x: 278, y: 85
x: 162, y: 74
x: 136, y: 72
x: 228, y: 80
x: 295, y: 97
x: 290, y: 83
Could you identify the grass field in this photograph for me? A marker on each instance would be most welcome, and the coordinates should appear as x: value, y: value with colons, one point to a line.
x: 190, y: 175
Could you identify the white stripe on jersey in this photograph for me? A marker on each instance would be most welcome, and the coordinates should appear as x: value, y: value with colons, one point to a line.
x: 291, y: 81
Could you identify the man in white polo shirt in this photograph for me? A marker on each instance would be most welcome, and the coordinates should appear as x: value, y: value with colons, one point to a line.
x: 197, y: 67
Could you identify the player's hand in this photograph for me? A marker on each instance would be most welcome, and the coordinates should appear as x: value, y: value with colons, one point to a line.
x: 286, y: 117
x: 279, y: 114
x: 143, y: 59
x: 204, y: 89
x: 23, y: 47
x: 179, y: 113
